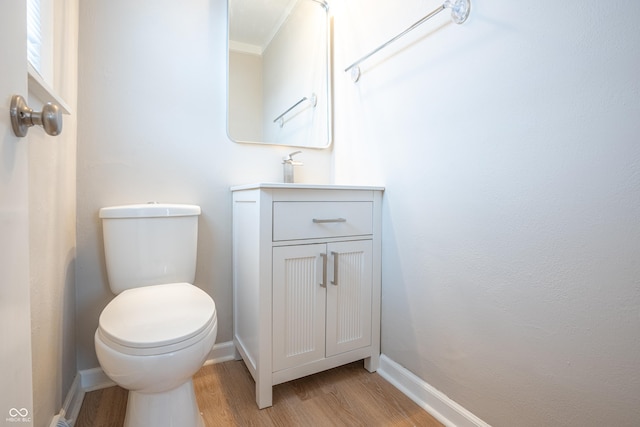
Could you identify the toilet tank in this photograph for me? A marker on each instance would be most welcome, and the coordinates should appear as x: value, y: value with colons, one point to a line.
x: 149, y: 244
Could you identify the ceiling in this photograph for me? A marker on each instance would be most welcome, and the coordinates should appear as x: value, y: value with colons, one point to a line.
x: 255, y: 22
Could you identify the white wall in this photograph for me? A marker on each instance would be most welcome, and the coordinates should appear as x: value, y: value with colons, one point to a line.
x: 509, y: 147
x: 152, y: 127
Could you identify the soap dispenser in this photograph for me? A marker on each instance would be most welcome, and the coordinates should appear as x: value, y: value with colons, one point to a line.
x: 288, y: 164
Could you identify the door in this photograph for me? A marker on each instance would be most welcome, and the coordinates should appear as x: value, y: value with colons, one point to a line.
x: 349, y: 296
x: 298, y: 305
x: 321, y: 301
x: 16, y: 401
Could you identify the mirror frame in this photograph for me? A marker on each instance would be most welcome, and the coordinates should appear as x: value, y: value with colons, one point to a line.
x: 329, y: 82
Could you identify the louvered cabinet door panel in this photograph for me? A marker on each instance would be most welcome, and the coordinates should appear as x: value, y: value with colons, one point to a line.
x: 349, y: 296
x: 298, y: 305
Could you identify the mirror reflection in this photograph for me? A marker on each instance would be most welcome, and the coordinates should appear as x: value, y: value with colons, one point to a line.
x: 278, y: 79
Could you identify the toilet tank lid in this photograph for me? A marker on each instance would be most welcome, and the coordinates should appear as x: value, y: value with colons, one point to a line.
x: 149, y: 210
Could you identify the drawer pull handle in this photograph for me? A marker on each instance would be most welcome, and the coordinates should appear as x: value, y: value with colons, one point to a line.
x: 324, y: 221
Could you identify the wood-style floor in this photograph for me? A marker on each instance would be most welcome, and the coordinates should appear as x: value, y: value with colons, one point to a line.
x: 344, y: 396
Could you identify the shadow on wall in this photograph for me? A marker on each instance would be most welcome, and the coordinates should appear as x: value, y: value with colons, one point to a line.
x: 68, y: 320
x: 394, y: 294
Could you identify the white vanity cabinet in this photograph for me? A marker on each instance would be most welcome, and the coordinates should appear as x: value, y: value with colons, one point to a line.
x: 306, y: 278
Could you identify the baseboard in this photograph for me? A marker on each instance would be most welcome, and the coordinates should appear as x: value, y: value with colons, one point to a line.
x: 86, y: 380
x: 71, y: 406
x: 94, y: 379
x: 427, y: 397
x: 222, y: 352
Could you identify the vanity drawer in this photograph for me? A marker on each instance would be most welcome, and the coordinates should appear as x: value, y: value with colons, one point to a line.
x: 313, y: 220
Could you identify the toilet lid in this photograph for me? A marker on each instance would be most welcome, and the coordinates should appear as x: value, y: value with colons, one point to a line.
x: 157, y: 316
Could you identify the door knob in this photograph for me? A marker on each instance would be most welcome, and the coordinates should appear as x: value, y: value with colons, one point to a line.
x: 23, y: 117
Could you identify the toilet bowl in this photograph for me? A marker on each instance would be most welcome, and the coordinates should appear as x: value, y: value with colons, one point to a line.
x: 151, y: 341
x: 156, y: 333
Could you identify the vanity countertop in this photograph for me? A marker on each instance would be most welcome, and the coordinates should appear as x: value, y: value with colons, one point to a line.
x: 281, y: 185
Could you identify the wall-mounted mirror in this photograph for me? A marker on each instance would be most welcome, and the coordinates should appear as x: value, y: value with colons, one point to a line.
x: 279, y: 72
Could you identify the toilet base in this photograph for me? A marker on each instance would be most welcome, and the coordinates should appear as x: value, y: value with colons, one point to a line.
x: 173, y: 408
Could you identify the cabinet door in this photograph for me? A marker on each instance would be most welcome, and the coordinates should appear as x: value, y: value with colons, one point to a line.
x: 298, y: 305
x: 349, y: 296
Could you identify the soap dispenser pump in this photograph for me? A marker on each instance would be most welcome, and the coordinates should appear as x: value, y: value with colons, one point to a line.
x: 288, y: 164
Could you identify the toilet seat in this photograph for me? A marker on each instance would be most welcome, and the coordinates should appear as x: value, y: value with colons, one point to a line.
x: 157, y: 319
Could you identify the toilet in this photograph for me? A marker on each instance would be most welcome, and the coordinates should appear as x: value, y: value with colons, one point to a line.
x: 159, y: 329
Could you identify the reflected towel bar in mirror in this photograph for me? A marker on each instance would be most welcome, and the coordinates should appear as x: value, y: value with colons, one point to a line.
x: 280, y: 119
x: 459, y: 13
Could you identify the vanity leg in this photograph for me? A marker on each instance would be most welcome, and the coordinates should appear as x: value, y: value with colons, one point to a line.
x: 372, y: 363
x: 264, y: 394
